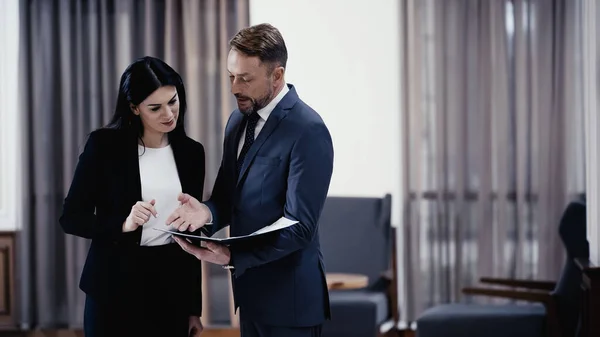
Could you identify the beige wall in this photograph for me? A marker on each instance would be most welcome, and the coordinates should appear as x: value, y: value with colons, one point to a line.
x: 591, y: 34
x: 344, y: 59
x: 10, y: 141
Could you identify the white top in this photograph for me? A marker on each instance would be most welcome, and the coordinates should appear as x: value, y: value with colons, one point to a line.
x: 264, y: 114
x: 160, y: 181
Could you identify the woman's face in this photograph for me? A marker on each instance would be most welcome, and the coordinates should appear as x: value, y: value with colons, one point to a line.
x: 159, y: 111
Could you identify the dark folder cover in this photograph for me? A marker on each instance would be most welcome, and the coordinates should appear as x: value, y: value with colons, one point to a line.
x: 278, y: 225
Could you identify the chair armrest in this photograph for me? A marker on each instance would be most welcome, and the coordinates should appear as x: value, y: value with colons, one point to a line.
x: 529, y: 284
x: 387, y: 275
x: 384, y: 283
x: 531, y: 296
x: 585, y: 264
x: 590, y: 325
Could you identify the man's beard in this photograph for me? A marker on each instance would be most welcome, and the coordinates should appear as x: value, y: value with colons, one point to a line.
x: 256, y: 104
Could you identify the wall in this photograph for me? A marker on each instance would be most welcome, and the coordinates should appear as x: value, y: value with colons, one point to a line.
x: 591, y: 32
x: 344, y: 61
x: 9, y: 116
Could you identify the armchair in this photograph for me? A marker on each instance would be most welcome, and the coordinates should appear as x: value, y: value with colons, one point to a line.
x: 356, y: 237
x: 556, y: 308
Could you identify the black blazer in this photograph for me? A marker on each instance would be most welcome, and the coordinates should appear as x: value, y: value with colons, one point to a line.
x: 106, y: 184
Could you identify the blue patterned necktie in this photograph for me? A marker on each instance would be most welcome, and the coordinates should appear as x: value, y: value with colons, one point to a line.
x: 248, y: 140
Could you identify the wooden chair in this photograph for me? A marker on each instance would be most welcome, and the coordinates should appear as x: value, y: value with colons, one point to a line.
x: 590, y: 298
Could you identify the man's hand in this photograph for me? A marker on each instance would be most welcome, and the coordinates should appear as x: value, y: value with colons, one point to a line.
x: 212, y: 252
x: 195, y: 326
x: 192, y: 214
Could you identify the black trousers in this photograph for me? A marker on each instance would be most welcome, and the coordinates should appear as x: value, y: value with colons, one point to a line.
x: 152, y: 304
x: 104, y: 320
x: 253, y: 329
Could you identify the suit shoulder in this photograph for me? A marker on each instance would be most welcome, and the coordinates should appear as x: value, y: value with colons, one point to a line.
x: 304, y: 116
x: 234, y: 117
x: 105, y: 137
x: 194, y: 144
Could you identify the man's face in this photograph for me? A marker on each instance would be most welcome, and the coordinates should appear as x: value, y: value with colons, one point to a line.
x: 251, y: 81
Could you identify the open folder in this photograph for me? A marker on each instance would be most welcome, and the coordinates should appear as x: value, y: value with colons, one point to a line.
x: 280, y: 224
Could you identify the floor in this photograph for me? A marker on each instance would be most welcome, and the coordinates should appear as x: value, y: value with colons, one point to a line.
x: 208, y: 332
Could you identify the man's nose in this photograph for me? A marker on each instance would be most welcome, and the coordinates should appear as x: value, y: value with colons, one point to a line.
x: 235, y: 88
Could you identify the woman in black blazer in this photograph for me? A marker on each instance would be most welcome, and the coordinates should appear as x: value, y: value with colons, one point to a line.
x: 138, y: 282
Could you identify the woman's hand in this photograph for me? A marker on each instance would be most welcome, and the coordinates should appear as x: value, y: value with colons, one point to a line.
x: 140, y: 214
x: 195, y: 326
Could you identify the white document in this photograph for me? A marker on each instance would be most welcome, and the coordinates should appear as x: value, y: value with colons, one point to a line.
x: 281, y: 223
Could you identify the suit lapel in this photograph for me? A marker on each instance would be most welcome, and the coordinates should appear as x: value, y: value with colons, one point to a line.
x: 234, y: 136
x: 278, y: 114
x: 134, y: 190
x: 183, y: 170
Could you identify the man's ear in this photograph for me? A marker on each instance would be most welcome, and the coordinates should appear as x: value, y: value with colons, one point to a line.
x: 134, y: 109
x: 278, y: 73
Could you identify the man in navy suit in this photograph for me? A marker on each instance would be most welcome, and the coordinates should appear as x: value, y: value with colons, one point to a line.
x: 277, y: 162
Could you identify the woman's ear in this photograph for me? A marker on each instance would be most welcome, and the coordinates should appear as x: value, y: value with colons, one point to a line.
x: 134, y: 109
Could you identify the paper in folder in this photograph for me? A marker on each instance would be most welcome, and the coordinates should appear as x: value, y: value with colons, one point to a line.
x: 280, y: 224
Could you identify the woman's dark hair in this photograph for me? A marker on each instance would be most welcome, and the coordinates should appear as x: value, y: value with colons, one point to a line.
x: 139, y: 80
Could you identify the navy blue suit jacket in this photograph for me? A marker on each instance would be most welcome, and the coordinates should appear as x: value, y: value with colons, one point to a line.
x: 279, y: 281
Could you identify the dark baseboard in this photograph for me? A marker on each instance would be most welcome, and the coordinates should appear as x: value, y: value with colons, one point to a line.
x: 208, y: 332
x: 407, y: 333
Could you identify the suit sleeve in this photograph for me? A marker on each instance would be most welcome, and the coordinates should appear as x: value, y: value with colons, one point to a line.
x: 311, y: 167
x: 195, y: 264
x: 78, y: 213
x: 219, y: 202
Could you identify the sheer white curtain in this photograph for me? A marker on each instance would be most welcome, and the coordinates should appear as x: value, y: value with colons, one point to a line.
x: 493, y: 146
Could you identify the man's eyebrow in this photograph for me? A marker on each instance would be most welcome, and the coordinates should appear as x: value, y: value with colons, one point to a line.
x: 242, y: 74
x: 156, y: 104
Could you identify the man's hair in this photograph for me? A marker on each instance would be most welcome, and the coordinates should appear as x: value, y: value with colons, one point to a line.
x: 263, y: 41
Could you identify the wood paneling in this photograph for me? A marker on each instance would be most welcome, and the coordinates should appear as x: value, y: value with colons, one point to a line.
x: 407, y: 333
x: 7, y: 289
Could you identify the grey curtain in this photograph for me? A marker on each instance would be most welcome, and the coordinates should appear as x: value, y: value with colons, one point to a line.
x: 73, y: 54
x: 493, y: 141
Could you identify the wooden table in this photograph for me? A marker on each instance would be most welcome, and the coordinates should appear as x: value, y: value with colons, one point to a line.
x: 346, y: 281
